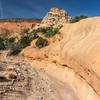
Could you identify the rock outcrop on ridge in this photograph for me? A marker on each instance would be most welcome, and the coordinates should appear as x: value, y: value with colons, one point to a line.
x: 55, y: 18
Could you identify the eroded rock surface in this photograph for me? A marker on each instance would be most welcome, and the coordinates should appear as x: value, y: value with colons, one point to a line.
x: 15, y: 80
x: 19, y: 81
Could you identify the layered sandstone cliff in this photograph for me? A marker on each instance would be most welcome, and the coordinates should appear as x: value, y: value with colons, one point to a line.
x: 15, y: 26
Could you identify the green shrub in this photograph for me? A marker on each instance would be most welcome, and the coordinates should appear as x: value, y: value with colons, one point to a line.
x: 78, y: 18
x: 15, y: 49
x: 55, y: 30
x: 52, y: 32
x: 53, y: 19
x: 40, y: 43
x: 26, y: 30
x: 5, y: 43
x: 47, y: 31
x: 35, y: 35
x: 25, y: 41
x: 41, y: 29
x: 2, y: 45
x: 11, y: 39
x: 49, y: 34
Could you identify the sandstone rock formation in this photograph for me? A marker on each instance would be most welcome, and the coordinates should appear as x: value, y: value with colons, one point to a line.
x: 79, y: 50
x: 55, y: 18
x: 74, y: 58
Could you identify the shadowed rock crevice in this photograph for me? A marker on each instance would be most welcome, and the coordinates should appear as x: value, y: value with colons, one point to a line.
x: 3, y: 79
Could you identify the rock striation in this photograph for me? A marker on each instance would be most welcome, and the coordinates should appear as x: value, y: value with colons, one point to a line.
x: 55, y: 18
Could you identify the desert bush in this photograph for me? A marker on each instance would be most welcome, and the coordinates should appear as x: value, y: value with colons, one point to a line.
x: 25, y: 41
x: 78, y: 18
x: 35, y: 35
x: 41, y: 29
x: 55, y: 30
x: 17, y: 47
x: 8, y: 42
x: 51, y: 32
x: 47, y: 31
x: 11, y: 39
x: 25, y: 30
x: 40, y: 43
x: 5, y: 43
x: 2, y: 45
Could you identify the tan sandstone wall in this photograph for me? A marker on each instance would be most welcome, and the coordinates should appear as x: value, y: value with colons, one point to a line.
x: 80, y: 50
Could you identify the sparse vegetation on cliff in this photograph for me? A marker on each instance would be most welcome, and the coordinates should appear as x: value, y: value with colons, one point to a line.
x: 26, y: 30
x: 22, y: 43
x: 47, y: 32
x: 5, y: 43
x: 2, y: 46
x: 26, y: 37
x: 78, y: 18
x: 51, y: 32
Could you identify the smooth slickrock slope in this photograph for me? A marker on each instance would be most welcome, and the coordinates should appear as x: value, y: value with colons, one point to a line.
x: 77, y: 52
x: 80, y: 50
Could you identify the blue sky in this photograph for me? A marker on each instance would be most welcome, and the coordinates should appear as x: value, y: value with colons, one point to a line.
x: 39, y: 8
